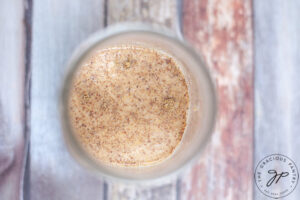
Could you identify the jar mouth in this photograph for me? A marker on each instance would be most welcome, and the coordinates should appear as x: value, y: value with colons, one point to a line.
x: 98, y: 41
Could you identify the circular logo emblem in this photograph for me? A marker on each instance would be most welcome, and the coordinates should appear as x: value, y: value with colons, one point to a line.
x: 276, y: 176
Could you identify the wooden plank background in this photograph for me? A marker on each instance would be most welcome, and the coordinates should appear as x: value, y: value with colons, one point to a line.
x: 12, y: 117
x: 277, y: 97
x: 221, y: 30
x: 158, y: 12
x: 57, y: 27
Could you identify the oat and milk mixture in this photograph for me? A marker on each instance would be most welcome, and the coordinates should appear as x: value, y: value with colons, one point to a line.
x: 128, y: 106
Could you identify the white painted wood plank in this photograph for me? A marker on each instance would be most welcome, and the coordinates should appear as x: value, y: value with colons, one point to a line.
x: 277, y: 94
x: 163, y: 12
x: 58, y: 27
x: 165, y: 191
x: 11, y: 99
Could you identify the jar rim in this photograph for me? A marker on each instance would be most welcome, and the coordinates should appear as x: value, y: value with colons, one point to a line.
x: 88, y: 46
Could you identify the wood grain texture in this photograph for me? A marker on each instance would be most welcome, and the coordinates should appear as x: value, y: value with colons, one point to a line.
x: 58, y: 27
x: 277, y: 97
x: 165, y: 191
x: 12, y: 70
x: 222, y: 31
x: 163, y: 12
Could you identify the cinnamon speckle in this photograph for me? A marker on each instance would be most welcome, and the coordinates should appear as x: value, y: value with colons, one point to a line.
x: 131, y: 111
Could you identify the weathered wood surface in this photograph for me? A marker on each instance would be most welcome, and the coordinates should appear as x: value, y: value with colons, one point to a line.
x: 118, y: 191
x: 277, y: 97
x: 12, y: 73
x: 58, y: 27
x: 222, y: 31
x: 163, y: 12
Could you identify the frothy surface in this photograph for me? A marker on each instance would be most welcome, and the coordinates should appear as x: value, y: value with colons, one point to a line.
x: 128, y: 106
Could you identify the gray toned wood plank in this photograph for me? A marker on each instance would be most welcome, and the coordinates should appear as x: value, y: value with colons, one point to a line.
x: 277, y: 95
x: 11, y: 99
x: 163, y: 12
x: 58, y: 27
x: 165, y: 191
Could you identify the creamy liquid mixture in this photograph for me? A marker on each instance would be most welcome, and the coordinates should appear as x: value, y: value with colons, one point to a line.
x: 128, y: 106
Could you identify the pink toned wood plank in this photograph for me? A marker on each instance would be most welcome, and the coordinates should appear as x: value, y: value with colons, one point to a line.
x: 222, y: 32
